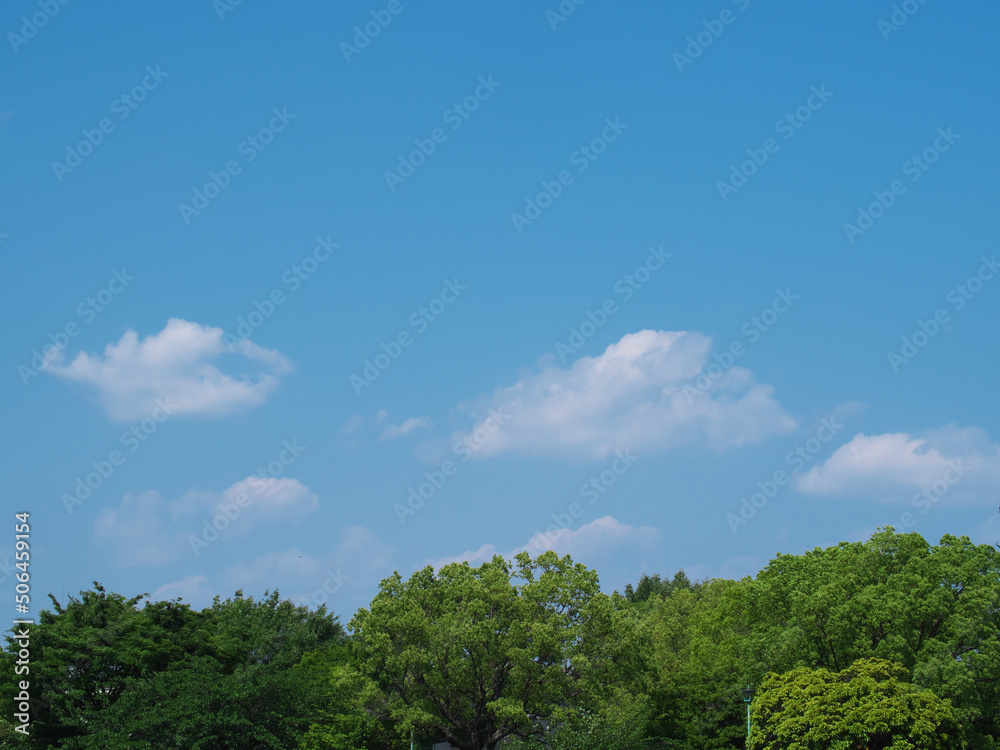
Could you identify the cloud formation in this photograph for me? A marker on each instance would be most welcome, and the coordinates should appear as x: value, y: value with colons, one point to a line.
x: 177, y: 365
x: 146, y: 530
x: 895, y: 464
x: 632, y: 396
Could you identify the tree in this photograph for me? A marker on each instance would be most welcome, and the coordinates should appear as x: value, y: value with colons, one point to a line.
x: 653, y: 585
x: 697, y: 637
x: 106, y: 674
x: 868, y: 706
x: 246, y: 694
x: 477, y: 655
x: 85, y: 654
x: 933, y: 609
x: 341, y: 722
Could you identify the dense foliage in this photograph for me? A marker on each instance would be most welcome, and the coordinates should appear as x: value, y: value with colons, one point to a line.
x: 889, y: 643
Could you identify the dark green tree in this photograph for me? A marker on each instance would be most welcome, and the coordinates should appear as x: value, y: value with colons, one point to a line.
x: 653, y: 585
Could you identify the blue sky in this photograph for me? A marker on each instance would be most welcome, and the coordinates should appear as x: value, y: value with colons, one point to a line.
x: 295, y: 304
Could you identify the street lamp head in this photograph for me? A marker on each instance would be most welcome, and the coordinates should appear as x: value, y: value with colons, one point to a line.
x: 748, y: 694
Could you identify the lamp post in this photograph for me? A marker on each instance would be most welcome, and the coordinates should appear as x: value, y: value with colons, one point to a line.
x: 747, y: 697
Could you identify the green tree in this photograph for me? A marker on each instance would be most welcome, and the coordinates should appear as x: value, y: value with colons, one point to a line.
x: 341, y: 722
x: 868, y: 706
x: 246, y: 694
x: 84, y: 655
x: 653, y: 585
x: 697, y: 637
x: 106, y: 674
x: 477, y: 655
x: 933, y: 609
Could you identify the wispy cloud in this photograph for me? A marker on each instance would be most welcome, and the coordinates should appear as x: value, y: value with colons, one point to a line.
x: 394, y: 431
x: 146, y: 530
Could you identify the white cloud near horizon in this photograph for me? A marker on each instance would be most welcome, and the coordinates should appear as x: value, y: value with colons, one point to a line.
x: 146, y: 530
x: 893, y: 465
x: 600, y: 536
x: 334, y: 577
x: 631, y: 396
x: 177, y: 366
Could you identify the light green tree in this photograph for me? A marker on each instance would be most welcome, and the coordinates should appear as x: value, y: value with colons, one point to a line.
x: 868, y: 706
x: 478, y: 655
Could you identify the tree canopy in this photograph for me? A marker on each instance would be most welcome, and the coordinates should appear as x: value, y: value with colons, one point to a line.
x: 889, y: 643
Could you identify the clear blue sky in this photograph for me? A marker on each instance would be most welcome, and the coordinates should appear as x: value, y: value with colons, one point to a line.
x: 609, y: 278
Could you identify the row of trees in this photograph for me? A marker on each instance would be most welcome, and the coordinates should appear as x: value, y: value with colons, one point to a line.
x: 888, y: 643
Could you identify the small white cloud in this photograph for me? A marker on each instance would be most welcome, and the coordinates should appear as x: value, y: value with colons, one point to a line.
x: 893, y: 465
x: 273, y: 497
x: 380, y: 416
x: 599, y: 537
x: 632, y: 396
x: 394, y: 431
x: 176, y: 366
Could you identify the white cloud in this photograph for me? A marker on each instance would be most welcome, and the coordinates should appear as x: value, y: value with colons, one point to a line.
x: 413, y: 423
x: 176, y: 365
x: 342, y: 577
x: 357, y: 558
x: 631, y: 396
x: 147, y: 530
x: 893, y: 465
x: 599, y: 537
